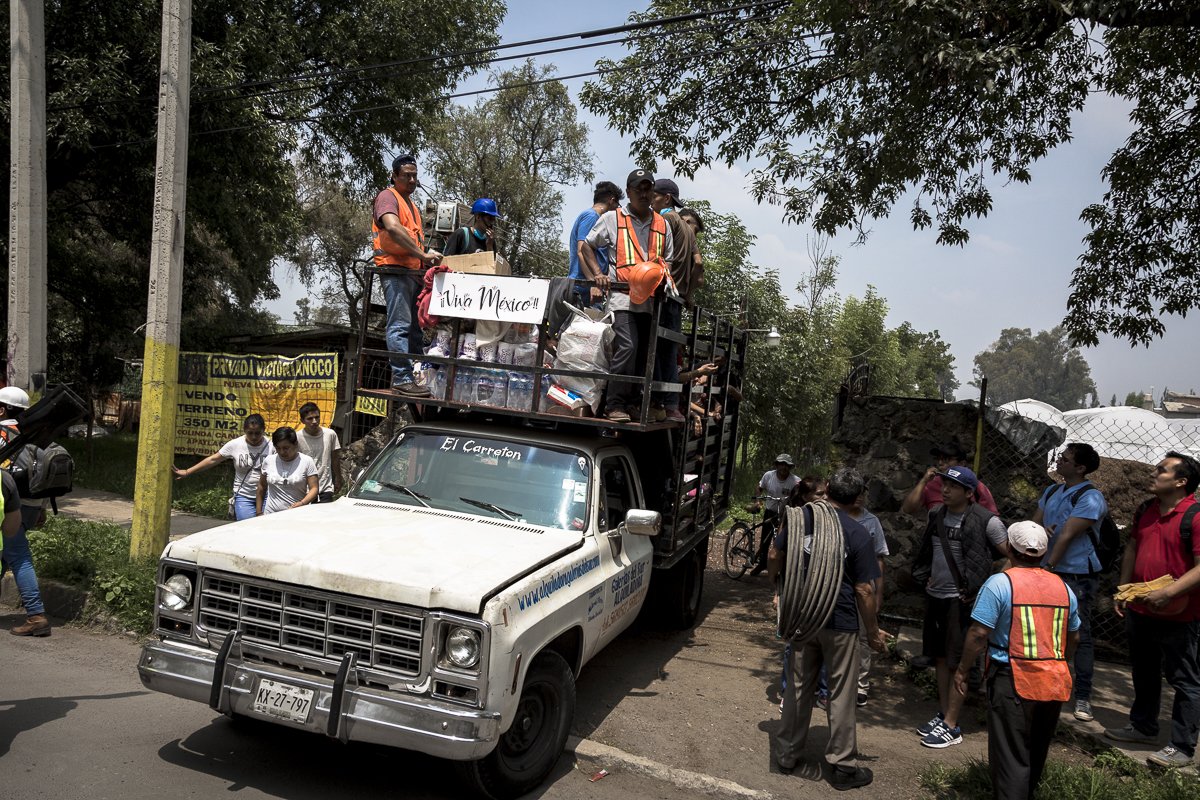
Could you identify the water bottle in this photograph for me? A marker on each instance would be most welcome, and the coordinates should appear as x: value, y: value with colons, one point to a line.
x: 464, y: 385
x: 491, y: 389
x: 438, y: 385
x: 520, y: 391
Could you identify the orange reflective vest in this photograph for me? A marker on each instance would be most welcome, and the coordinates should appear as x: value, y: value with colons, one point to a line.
x: 388, y: 252
x: 1037, y: 636
x: 641, y: 270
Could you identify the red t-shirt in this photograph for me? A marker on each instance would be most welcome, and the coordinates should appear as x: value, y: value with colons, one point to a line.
x: 932, y: 495
x: 1160, y: 551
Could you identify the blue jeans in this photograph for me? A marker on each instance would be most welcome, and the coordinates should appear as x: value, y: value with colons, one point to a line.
x: 18, y: 558
x: 1084, y: 587
x: 1161, y: 648
x: 403, y: 333
x: 243, y: 507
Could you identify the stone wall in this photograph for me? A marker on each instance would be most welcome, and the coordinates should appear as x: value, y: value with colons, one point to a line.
x: 888, y: 439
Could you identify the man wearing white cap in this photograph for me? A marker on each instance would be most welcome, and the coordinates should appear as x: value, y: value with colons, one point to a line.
x: 776, y: 483
x: 1029, y: 652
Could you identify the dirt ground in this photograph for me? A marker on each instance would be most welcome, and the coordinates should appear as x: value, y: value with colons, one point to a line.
x: 707, y: 701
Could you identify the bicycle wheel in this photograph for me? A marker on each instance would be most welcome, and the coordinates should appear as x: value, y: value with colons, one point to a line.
x: 739, y: 550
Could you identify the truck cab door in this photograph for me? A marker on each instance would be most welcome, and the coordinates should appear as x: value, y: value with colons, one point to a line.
x: 625, y: 558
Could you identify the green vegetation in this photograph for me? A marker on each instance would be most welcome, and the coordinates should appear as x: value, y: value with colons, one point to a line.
x: 861, y: 108
x: 110, y: 465
x: 95, y: 556
x: 1111, y: 776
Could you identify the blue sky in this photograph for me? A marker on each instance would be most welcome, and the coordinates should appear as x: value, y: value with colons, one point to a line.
x: 1013, y: 273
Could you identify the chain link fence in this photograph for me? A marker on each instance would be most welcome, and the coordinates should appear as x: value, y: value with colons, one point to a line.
x: 1020, y: 442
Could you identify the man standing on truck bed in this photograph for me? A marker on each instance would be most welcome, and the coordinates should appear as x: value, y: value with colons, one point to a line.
x: 606, y: 197
x: 638, y: 242
x: 665, y: 200
x: 399, y: 241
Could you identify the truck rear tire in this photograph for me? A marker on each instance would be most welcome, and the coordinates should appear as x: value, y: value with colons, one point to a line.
x: 529, y: 749
x: 678, y: 601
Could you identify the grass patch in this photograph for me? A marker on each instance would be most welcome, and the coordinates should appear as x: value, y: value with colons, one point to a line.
x: 1111, y: 776
x: 109, y: 464
x: 95, y: 557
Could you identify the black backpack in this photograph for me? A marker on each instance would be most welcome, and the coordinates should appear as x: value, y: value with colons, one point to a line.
x: 43, y: 473
x: 1107, y: 543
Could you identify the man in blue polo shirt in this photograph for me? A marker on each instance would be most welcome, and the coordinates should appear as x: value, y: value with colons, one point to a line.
x: 1071, y: 512
x: 607, y: 197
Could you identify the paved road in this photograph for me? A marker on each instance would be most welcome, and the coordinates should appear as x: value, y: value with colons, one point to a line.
x: 75, y: 722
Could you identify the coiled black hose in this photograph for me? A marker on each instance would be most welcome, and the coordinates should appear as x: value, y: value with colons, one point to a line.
x: 810, y: 591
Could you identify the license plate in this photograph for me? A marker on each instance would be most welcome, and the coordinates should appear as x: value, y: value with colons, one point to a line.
x: 282, y: 700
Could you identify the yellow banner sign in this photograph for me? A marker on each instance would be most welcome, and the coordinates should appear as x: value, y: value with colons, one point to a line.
x: 375, y: 406
x: 217, y: 391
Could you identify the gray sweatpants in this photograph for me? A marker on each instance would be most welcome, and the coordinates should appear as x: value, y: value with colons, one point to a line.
x: 838, y: 651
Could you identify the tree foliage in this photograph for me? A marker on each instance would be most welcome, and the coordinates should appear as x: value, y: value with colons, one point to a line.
x: 517, y: 147
x: 102, y: 71
x: 790, y: 389
x: 1044, y: 367
x: 1134, y: 398
x: 851, y: 107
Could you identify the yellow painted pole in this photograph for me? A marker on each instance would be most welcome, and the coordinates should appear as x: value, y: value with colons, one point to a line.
x: 160, y: 371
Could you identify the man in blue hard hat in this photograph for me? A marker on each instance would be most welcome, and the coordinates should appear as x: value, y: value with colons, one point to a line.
x: 481, y: 236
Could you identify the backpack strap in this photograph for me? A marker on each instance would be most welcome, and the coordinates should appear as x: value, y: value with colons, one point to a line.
x: 1187, y: 528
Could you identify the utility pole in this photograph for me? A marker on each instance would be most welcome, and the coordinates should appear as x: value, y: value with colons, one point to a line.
x: 156, y: 437
x: 26, y: 366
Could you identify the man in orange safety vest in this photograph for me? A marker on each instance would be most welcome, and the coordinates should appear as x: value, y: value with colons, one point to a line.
x: 639, y: 246
x: 1028, y: 619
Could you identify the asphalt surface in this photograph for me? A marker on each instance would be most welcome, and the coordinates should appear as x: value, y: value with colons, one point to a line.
x: 669, y: 715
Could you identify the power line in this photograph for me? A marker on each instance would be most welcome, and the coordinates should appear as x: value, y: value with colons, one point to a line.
x: 455, y: 95
x: 324, y: 75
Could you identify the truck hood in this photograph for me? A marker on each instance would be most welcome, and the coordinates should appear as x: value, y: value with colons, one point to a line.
x: 424, y: 558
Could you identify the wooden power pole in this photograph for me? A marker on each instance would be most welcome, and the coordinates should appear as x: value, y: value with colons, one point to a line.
x: 156, y: 437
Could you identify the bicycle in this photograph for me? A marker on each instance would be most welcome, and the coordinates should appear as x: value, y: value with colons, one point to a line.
x: 740, y: 549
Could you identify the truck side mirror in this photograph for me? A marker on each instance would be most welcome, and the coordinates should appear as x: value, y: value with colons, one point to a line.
x: 643, y: 523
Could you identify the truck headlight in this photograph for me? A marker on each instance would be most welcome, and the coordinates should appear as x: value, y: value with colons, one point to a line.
x: 176, y: 592
x: 462, y: 647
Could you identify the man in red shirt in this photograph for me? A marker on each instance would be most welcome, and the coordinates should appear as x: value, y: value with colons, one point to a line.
x: 928, y: 491
x: 1164, y: 627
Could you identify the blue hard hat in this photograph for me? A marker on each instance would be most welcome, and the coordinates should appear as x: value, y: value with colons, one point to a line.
x: 485, y: 205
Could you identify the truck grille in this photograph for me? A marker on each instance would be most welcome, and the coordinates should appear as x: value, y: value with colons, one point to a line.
x: 313, y: 623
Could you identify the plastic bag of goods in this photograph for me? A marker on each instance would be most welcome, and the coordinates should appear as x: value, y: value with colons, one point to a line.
x: 585, y: 345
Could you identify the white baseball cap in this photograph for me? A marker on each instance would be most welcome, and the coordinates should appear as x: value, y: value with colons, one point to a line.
x: 1028, y: 537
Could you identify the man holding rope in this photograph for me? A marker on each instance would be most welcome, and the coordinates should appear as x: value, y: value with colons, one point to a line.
x: 827, y: 592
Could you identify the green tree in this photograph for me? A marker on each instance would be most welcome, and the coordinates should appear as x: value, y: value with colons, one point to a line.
x: 251, y: 115
x: 1134, y: 398
x: 790, y: 389
x: 1044, y: 367
x: 517, y: 147
x: 333, y: 248
x: 852, y: 107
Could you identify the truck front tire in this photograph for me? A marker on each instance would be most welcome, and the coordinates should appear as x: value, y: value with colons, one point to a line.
x: 529, y: 749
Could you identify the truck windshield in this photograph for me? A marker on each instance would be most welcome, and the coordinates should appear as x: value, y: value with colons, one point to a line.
x: 473, y: 474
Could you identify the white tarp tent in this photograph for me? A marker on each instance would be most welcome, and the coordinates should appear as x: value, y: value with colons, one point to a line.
x: 1126, y: 432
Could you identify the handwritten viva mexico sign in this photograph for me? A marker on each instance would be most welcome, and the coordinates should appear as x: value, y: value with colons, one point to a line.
x: 460, y: 294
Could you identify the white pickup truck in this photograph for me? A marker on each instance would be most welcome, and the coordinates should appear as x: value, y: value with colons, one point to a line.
x: 445, y: 605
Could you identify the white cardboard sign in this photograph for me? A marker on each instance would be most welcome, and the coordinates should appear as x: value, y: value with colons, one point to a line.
x: 491, y: 297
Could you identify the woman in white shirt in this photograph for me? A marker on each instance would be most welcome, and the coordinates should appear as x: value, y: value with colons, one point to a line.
x: 289, y: 478
x: 247, y: 453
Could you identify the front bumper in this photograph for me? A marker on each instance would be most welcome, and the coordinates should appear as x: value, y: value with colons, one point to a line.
x: 341, y: 708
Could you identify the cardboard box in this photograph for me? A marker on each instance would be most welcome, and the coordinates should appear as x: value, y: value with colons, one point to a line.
x: 479, y: 263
